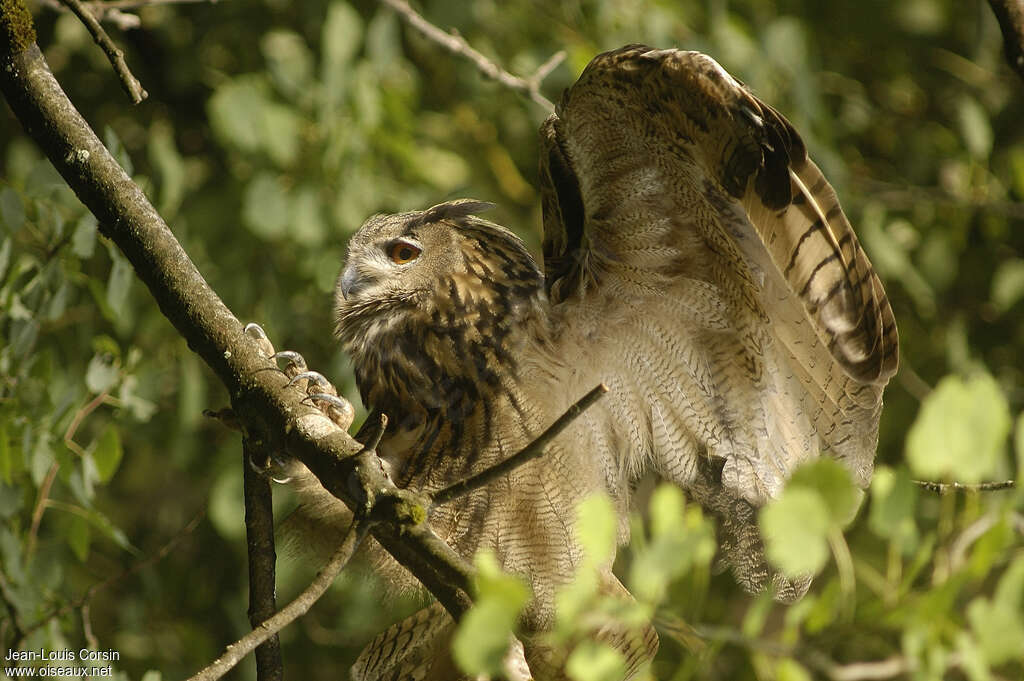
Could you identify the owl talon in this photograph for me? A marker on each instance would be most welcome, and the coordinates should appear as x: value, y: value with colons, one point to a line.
x: 273, y: 468
x: 335, y: 408
x: 260, y: 336
x: 296, y: 364
x: 314, y: 377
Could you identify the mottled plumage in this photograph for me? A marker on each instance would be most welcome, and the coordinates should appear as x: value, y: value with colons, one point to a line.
x: 695, y: 260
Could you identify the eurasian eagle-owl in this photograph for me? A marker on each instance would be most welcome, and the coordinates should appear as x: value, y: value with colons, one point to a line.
x: 696, y: 261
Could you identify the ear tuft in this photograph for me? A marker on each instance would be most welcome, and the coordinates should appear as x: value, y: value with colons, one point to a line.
x: 450, y: 210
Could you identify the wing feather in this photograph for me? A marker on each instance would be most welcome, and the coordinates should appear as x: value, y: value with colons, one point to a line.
x: 659, y: 170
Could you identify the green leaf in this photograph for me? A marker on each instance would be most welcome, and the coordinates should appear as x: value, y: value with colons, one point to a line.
x: 998, y: 628
x: 1018, y: 445
x: 595, y: 661
x: 169, y: 166
x: 266, y: 208
x: 12, y: 212
x: 79, y: 536
x: 1008, y: 284
x: 597, y: 528
x: 119, y: 286
x: 102, y: 373
x: 236, y: 112
x: 7, y: 462
x: 5, y: 257
x: 226, y: 512
x: 833, y: 483
x: 485, y: 632
x: 975, y: 128
x: 960, y: 430
x: 307, y: 224
x: 789, y: 669
x: 341, y: 38
x: 893, y: 499
x: 108, y: 453
x: 117, y: 150
x: 795, y: 528
x: 281, y: 128
x: 289, y: 61
x: 11, y: 500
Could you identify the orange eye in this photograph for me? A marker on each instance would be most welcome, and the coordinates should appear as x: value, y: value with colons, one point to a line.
x: 402, y: 252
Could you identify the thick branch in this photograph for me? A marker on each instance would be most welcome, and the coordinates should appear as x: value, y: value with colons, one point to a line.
x: 1010, y: 15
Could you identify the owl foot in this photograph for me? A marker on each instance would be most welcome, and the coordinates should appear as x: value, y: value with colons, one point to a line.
x: 320, y: 392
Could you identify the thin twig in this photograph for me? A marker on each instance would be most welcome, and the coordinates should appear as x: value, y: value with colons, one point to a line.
x: 40, y: 507
x: 947, y: 487
x: 130, y: 83
x: 235, y: 652
x: 456, y: 44
x: 69, y: 433
x: 528, y: 453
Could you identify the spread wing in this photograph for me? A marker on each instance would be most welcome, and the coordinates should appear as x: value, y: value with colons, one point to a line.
x: 684, y: 215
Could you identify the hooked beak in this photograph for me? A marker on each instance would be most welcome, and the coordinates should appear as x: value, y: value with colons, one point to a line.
x: 350, y: 281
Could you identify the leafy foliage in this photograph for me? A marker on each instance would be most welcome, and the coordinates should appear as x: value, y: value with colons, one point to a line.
x: 274, y: 129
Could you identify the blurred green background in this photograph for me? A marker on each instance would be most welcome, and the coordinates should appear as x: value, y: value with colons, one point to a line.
x: 273, y: 129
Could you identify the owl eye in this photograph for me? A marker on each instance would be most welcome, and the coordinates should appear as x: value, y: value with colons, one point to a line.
x: 402, y: 253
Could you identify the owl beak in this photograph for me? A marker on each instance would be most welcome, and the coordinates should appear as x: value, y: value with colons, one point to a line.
x: 349, y: 281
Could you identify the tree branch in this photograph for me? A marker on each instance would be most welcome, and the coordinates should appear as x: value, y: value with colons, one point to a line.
x: 245, y: 645
x: 528, y: 453
x: 947, y: 487
x: 270, y: 415
x: 259, y: 530
x: 456, y: 44
x: 129, y: 82
x: 1010, y: 15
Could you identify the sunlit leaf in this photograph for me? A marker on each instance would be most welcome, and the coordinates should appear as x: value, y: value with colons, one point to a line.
x: 795, y: 528
x: 102, y: 373
x: 975, y: 128
x: 1008, y: 284
x: 7, y: 461
x: 119, y: 286
x: 960, y: 430
x: 594, y: 661
x: 893, y: 499
x: 266, y: 208
x: 833, y: 483
x: 79, y: 536
x: 289, y: 61
x: 108, y: 453
x: 341, y: 39
x: 485, y: 632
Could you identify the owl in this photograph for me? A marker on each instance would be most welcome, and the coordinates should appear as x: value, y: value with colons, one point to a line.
x: 695, y: 261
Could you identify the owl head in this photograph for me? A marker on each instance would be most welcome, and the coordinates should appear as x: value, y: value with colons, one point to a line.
x: 439, y: 285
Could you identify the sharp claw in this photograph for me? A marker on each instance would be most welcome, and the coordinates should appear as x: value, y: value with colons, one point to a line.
x: 314, y: 376
x: 332, y: 400
x: 296, y: 364
x: 254, y: 329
